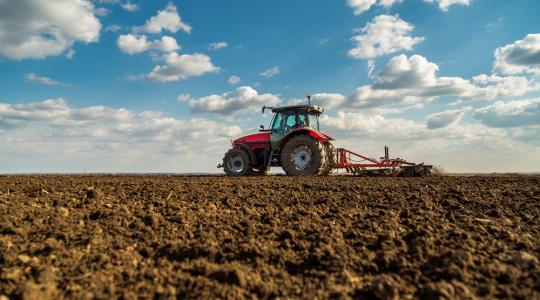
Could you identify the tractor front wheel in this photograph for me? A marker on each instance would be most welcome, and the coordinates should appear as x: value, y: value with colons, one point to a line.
x: 303, y: 155
x: 236, y: 163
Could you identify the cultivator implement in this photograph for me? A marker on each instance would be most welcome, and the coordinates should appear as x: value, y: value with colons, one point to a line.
x: 361, y: 165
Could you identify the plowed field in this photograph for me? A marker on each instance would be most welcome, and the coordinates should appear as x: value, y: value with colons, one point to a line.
x: 266, y: 237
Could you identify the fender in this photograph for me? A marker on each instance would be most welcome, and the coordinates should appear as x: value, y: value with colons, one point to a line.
x: 307, y: 131
x: 249, y: 151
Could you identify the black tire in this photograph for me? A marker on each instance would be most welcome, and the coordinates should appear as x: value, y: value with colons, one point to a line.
x: 303, y: 155
x: 331, y: 159
x: 236, y: 163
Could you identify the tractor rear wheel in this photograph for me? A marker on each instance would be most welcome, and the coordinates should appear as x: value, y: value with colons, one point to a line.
x: 331, y: 159
x: 236, y: 163
x: 303, y: 155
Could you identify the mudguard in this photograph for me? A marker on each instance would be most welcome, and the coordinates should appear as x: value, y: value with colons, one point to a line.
x: 316, y: 134
x: 249, y: 151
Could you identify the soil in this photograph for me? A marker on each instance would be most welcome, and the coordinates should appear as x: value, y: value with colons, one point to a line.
x: 341, y: 237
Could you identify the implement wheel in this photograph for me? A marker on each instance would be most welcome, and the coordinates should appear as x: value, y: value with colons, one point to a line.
x: 303, y: 155
x: 236, y: 163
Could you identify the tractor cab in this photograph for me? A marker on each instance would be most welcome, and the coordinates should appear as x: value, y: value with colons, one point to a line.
x: 292, y: 118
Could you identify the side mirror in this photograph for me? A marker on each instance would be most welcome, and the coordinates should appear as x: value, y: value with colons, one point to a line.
x: 261, y: 127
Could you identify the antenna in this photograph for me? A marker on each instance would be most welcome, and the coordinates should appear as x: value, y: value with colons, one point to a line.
x: 308, y: 96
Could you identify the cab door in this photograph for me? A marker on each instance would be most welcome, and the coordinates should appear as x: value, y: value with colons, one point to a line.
x: 284, y: 122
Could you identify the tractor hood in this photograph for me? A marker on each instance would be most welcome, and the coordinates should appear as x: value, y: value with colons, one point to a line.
x: 257, y: 138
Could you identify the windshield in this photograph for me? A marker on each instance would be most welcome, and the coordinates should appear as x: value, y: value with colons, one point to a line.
x: 313, y: 121
x: 284, y: 122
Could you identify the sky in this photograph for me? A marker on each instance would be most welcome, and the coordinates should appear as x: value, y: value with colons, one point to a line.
x: 164, y: 86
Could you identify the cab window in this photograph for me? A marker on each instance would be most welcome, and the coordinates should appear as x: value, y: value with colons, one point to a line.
x: 287, y: 121
x: 313, y: 121
x: 302, y: 120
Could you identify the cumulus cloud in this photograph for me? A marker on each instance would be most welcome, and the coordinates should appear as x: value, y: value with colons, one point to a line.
x: 179, y: 67
x: 445, y: 118
x: 510, y: 114
x: 445, y: 4
x: 233, y: 80
x: 385, y: 34
x: 360, y: 6
x: 57, y: 112
x: 217, y: 46
x: 165, y: 20
x: 414, y: 81
x: 462, y: 147
x: 270, y: 72
x: 46, y: 80
x: 522, y: 56
x: 242, y: 99
x: 327, y: 99
x: 41, y: 28
x: 54, y: 129
x: 132, y: 44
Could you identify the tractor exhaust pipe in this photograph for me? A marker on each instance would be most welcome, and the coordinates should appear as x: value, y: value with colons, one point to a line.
x: 386, y: 153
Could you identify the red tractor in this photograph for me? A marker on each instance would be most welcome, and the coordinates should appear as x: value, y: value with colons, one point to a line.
x: 295, y: 143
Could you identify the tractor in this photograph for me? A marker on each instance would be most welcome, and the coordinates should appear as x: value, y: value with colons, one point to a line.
x: 295, y: 142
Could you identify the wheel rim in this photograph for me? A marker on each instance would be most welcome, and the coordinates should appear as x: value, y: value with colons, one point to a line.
x: 236, y: 163
x: 302, y: 157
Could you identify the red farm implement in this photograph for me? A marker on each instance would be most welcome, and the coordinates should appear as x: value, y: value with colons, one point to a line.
x: 359, y: 164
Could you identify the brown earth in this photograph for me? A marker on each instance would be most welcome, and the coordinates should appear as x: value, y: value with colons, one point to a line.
x: 320, y: 237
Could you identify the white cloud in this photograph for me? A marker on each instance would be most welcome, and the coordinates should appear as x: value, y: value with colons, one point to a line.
x: 41, y: 28
x: 113, y: 28
x: 523, y: 56
x: 510, y: 114
x: 457, y: 148
x: 101, y: 11
x: 360, y: 6
x: 70, y: 54
x: 242, y: 99
x: 270, y: 72
x: 492, y: 87
x: 385, y: 34
x: 132, y: 44
x: 131, y: 7
x: 51, y: 133
x: 445, y: 118
x: 326, y: 99
x: 179, y: 67
x: 167, y: 19
x: 233, y: 80
x: 413, y: 81
x: 57, y: 112
x: 46, y: 80
x: 445, y: 4
x: 217, y: 46
x: 107, y: 1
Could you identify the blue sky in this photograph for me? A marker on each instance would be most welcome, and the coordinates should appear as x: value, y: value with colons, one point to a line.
x: 149, y: 86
